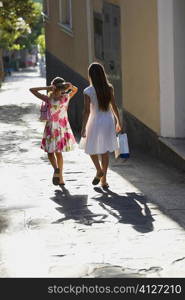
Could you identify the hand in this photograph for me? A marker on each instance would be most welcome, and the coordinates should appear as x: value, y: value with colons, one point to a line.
x: 51, y: 88
x: 69, y: 85
x: 83, y: 133
x: 119, y: 128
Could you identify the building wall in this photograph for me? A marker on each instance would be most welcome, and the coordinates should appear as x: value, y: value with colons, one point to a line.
x: 139, y: 52
x: 140, y: 61
x: 54, y: 68
x: 179, y: 66
x: 67, y: 55
x: 166, y: 67
x: 171, y: 23
x: 71, y: 49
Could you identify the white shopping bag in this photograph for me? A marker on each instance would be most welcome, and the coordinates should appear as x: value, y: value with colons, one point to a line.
x: 123, y: 147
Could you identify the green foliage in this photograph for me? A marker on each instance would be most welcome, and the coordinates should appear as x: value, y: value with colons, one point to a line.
x: 41, y: 43
x: 21, y: 24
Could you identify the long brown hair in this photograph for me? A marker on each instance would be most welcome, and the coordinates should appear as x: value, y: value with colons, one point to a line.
x: 101, y: 84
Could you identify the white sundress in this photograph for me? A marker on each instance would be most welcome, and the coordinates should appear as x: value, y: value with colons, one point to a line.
x: 100, y: 129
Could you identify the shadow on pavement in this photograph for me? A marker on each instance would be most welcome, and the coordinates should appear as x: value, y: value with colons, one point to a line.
x: 3, y: 223
x: 18, y: 131
x: 13, y: 114
x: 75, y: 207
x: 130, y: 208
x: 22, y: 74
x: 162, y: 184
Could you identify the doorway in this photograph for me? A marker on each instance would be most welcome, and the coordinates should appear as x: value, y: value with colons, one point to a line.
x: 112, y: 48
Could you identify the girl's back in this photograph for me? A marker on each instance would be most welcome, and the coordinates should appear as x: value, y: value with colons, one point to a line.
x: 100, y: 126
x: 94, y: 106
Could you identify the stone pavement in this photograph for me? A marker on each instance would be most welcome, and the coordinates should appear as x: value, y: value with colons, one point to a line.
x: 134, y: 229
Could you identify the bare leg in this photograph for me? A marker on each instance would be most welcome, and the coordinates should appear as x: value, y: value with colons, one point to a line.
x: 54, y: 164
x: 105, y: 164
x: 95, y: 160
x: 52, y: 159
x: 60, y: 165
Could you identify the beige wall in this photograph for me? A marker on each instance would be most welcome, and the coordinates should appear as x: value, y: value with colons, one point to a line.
x: 139, y: 52
x: 139, y: 55
x: 140, y: 61
x: 74, y: 53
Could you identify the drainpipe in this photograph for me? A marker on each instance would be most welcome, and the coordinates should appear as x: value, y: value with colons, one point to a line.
x: 89, y: 31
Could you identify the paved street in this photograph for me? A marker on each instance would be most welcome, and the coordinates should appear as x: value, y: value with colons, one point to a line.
x: 134, y: 229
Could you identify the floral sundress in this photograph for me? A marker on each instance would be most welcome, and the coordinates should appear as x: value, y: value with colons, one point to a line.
x: 58, y: 135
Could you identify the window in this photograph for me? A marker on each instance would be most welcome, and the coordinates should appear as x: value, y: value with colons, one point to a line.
x: 65, y: 14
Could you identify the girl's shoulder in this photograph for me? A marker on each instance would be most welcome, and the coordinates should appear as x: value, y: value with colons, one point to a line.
x: 59, y: 99
x: 88, y: 90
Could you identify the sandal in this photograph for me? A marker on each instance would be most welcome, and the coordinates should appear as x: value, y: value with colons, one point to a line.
x: 96, y: 179
x: 56, y: 179
x: 105, y: 186
x: 63, y: 183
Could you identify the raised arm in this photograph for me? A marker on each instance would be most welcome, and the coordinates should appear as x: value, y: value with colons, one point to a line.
x: 115, y: 112
x: 73, y: 89
x: 86, y: 113
x: 35, y: 92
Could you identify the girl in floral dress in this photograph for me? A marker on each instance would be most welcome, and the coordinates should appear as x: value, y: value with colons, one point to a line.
x: 58, y: 136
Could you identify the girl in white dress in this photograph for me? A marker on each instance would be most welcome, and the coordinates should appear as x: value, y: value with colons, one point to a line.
x: 99, y: 126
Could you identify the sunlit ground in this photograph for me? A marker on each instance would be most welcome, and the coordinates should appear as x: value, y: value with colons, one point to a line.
x: 78, y: 231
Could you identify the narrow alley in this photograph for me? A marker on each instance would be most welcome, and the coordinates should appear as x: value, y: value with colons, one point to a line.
x: 136, y: 228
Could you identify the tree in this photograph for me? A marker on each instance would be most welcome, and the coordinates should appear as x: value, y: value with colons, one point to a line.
x: 41, y: 43
x: 20, y: 25
x: 19, y: 20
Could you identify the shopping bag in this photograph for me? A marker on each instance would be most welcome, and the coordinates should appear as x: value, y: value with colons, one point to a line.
x: 123, y: 147
x: 44, y: 112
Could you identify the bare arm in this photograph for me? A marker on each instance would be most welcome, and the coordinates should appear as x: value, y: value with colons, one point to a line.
x: 73, y: 89
x: 35, y: 92
x: 115, y: 112
x: 86, y: 113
